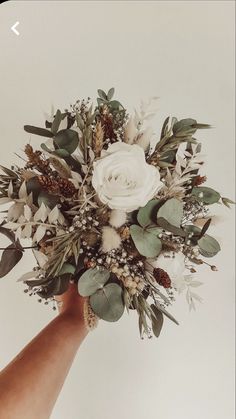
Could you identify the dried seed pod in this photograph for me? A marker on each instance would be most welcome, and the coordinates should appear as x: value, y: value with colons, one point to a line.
x: 98, y: 139
x: 162, y: 277
x: 61, y: 168
x: 90, y: 318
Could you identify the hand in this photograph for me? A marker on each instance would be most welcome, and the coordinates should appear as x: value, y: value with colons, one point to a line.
x: 72, y: 304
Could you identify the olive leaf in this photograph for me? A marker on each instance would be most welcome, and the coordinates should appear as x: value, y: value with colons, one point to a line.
x: 208, y: 246
x: 184, y: 127
x: 38, y: 131
x: 10, y: 257
x: 206, y: 195
x: 91, y: 280
x: 147, y: 214
x: 205, y: 228
x: 66, y: 139
x: 110, y: 93
x: 102, y: 94
x: 164, y: 311
x: 227, y: 202
x: 172, y: 211
x: 107, y: 303
x: 59, y: 152
x: 56, y: 122
x: 147, y: 244
x: 157, y: 320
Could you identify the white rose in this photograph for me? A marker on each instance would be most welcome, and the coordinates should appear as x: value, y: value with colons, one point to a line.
x: 122, y: 178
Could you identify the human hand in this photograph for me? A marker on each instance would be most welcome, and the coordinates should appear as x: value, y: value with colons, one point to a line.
x: 71, y: 304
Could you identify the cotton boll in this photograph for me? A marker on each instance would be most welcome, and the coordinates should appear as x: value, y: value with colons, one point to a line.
x: 145, y: 138
x: 117, y: 218
x: 110, y: 239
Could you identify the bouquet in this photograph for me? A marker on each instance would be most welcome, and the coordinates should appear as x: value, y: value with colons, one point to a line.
x: 108, y: 205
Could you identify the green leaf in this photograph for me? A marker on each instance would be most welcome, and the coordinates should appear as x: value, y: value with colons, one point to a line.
x: 56, y: 122
x: 157, y: 307
x: 147, y: 244
x: 227, y: 202
x: 177, y: 231
x: 10, y: 173
x: 67, y: 268
x: 184, y: 127
x: 172, y: 211
x: 147, y: 214
x: 157, y: 321
x: 206, y: 195
x: 10, y: 257
x: 91, y: 280
x: 205, y: 228
x: 115, y: 105
x: 107, y: 303
x: 110, y: 93
x: 102, y: 94
x: 55, y: 286
x: 33, y: 186
x: 67, y: 139
x: 38, y: 131
x: 49, y: 200
x: 9, y: 234
x: 208, y: 246
x: 61, y: 152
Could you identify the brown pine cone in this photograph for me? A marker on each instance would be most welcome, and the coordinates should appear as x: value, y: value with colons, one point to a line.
x: 66, y: 187
x: 49, y: 184
x: 162, y: 277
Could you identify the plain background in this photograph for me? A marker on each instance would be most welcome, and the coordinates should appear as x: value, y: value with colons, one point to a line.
x: 182, y: 52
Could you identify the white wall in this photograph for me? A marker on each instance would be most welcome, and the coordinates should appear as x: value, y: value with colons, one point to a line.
x: 183, y: 52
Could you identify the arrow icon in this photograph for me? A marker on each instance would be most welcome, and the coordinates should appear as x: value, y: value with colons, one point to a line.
x: 13, y: 28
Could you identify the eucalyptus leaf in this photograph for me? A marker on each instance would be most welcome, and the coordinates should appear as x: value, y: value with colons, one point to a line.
x: 107, y: 303
x: 206, y: 195
x: 67, y: 139
x: 10, y: 257
x: 67, y: 268
x: 147, y: 244
x: 177, y: 231
x: 147, y: 214
x: 61, y: 152
x: 92, y: 280
x: 33, y: 186
x: 48, y: 199
x: 208, y: 246
x: 172, y: 211
x: 38, y: 131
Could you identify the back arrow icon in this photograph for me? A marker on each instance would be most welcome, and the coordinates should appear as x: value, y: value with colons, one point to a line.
x: 13, y: 28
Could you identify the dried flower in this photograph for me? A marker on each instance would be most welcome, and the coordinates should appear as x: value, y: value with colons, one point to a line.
x: 162, y: 277
x: 110, y: 239
x: 117, y: 218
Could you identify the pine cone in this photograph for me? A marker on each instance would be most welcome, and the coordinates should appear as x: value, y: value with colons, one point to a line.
x: 49, y: 184
x: 162, y: 277
x: 66, y: 187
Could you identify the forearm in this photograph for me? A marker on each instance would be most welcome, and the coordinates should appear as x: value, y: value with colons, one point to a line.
x: 30, y: 384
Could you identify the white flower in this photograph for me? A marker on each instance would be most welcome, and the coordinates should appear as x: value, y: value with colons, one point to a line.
x: 123, y: 179
x: 117, y: 218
